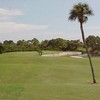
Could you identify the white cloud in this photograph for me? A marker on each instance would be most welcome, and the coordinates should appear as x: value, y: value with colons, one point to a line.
x: 6, y: 27
x: 7, y: 14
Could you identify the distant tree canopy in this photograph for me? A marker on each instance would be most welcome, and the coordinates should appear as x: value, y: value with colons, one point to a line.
x: 93, y: 43
x: 1, y: 48
x: 58, y: 44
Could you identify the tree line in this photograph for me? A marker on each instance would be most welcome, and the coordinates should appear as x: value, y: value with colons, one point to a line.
x: 57, y: 44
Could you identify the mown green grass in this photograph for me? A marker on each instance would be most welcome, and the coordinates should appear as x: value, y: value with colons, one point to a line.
x: 28, y: 76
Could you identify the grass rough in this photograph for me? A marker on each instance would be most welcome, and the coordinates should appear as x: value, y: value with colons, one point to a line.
x: 28, y: 76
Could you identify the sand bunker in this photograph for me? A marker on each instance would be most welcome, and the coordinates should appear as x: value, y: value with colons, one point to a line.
x: 76, y: 57
x: 63, y: 54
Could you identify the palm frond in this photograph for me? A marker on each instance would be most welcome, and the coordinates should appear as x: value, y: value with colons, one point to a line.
x: 81, y: 11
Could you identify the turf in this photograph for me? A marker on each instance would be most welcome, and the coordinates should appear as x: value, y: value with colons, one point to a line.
x: 28, y: 76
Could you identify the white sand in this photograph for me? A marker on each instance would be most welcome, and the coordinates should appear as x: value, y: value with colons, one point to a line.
x: 76, y: 57
x: 63, y: 54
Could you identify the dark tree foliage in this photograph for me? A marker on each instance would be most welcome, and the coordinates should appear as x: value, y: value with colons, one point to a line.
x: 44, y: 45
x: 93, y: 43
x: 73, y: 45
x: 58, y: 44
x: 1, y: 48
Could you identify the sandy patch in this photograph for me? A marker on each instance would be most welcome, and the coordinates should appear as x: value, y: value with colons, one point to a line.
x: 63, y: 54
x: 76, y: 57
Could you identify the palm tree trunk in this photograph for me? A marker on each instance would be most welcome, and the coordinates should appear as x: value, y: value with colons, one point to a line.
x: 91, y: 65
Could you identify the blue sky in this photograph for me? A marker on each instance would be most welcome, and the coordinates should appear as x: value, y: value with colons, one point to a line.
x: 44, y: 19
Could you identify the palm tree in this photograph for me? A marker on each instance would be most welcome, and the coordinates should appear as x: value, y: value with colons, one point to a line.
x: 81, y: 11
